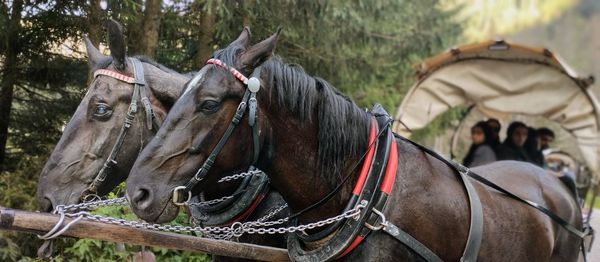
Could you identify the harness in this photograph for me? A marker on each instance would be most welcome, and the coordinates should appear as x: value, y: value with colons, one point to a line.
x: 140, y: 92
x: 248, y: 102
x: 240, y: 206
x: 371, y: 191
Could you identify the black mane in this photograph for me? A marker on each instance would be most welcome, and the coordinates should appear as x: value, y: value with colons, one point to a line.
x: 343, y: 126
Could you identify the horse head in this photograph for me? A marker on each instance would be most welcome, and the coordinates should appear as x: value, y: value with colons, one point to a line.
x: 193, y: 129
x: 96, y: 132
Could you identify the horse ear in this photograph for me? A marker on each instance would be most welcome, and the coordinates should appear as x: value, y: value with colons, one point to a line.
x: 116, y: 43
x: 94, y: 55
x: 259, y: 53
x: 243, y: 39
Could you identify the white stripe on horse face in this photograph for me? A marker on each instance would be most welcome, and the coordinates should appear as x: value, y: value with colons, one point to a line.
x: 194, y: 82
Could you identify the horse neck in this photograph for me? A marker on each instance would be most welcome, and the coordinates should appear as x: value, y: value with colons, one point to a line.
x: 292, y: 165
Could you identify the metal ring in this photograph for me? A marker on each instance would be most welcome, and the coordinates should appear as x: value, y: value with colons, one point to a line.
x: 176, y: 196
x: 381, y: 225
x: 91, y: 197
x: 237, y: 229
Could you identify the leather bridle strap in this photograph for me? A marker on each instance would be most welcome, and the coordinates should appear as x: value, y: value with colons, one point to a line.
x: 248, y: 100
x: 139, y: 92
x: 201, y: 173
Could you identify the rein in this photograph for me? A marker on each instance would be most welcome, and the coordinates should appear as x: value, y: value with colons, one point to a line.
x: 140, y: 92
x: 248, y: 101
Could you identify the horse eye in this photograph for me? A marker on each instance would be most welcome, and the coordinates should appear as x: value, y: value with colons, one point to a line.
x: 209, y: 106
x: 102, y: 111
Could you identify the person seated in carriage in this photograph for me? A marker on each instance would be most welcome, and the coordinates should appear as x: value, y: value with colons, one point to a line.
x: 513, y: 146
x: 545, y: 137
x: 482, y: 150
x: 532, y: 147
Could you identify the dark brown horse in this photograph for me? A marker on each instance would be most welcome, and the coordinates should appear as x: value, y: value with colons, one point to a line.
x: 92, y: 132
x: 94, y: 128
x: 311, y: 136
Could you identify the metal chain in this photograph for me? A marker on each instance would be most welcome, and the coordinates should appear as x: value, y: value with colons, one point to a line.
x: 260, y: 226
x: 235, y: 230
x: 222, y: 180
x: 238, y: 176
x: 209, y: 202
x: 272, y: 213
x: 121, y: 201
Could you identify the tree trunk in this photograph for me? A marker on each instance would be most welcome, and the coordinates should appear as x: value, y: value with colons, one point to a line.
x: 10, y: 76
x: 95, y: 28
x: 151, y: 24
x: 133, y: 29
x: 248, y: 7
x: 205, y: 35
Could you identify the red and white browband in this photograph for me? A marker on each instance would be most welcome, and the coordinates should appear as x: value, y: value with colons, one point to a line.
x: 114, y: 74
x: 235, y: 73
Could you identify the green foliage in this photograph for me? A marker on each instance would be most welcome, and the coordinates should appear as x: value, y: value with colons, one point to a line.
x: 447, y: 120
x: 364, y: 48
x: 95, y: 250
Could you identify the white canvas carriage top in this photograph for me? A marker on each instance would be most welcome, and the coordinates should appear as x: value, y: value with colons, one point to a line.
x: 500, y: 78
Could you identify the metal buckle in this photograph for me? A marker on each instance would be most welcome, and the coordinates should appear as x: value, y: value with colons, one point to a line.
x: 199, y: 175
x: 381, y: 225
x: 176, y: 196
x: 463, y: 170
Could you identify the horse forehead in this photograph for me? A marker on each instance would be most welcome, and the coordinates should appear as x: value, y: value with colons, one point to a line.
x: 195, y: 82
x: 106, y: 85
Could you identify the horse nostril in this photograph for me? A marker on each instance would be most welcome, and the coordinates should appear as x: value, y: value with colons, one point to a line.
x: 142, y: 198
x: 45, y: 205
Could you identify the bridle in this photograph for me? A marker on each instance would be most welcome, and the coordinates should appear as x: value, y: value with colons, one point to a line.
x: 248, y: 102
x: 140, y: 92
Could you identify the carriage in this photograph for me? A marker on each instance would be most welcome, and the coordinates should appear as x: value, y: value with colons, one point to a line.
x: 502, y: 80
x: 508, y: 81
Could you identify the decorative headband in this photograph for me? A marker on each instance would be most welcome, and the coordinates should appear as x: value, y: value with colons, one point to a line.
x: 115, y: 75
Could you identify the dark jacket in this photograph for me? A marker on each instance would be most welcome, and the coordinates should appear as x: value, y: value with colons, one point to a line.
x: 482, y: 155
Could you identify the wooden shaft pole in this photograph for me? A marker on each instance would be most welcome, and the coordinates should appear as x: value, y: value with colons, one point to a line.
x: 39, y: 223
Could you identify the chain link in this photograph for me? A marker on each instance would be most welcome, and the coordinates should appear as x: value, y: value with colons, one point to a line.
x: 261, y: 226
x: 238, y: 176
x: 209, y: 202
x: 121, y: 201
x: 272, y: 213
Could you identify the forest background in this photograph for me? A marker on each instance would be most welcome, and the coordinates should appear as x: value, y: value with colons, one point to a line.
x: 365, y: 48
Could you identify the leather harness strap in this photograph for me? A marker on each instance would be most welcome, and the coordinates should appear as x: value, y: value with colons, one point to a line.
x: 246, y: 198
x: 373, y: 186
x: 485, y: 181
x: 139, y: 92
x: 339, y: 244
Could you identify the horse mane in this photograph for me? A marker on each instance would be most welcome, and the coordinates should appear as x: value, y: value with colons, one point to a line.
x: 343, y: 126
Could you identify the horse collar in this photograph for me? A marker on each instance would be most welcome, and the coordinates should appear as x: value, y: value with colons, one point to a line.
x: 371, y: 191
x: 246, y: 198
